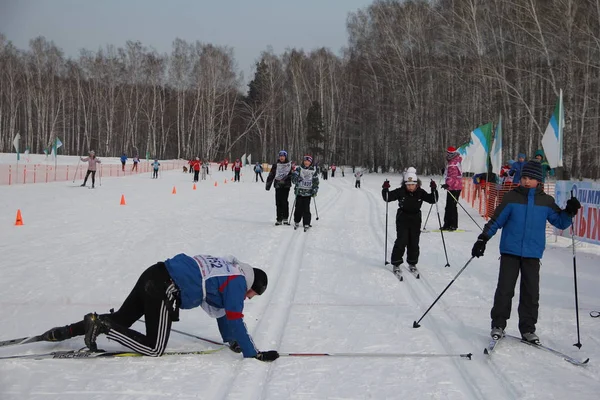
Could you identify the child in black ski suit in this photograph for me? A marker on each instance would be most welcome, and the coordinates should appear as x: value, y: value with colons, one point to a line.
x: 410, y: 197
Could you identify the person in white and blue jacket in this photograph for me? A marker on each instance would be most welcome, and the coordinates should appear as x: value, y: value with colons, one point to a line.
x: 306, y: 179
x: 522, y: 216
x: 155, y: 166
x: 218, y: 285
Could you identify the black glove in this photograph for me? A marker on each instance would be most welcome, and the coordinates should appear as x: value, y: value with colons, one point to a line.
x: 479, y: 246
x: 386, y: 184
x: 445, y: 186
x: 267, y: 356
x: 433, y: 185
x: 572, y: 206
x: 235, y: 347
x: 443, y: 170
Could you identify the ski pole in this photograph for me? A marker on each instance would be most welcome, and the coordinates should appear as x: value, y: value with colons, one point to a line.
x: 416, y: 323
x: 316, y: 211
x: 437, y: 209
x: 194, y: 336
x: 100, y: 175
x: 76, y: 169
x: 578, y: 344
x: 427, y: 219
x: 461, y: 206
x: 377, y: 355
x: 386, y: 227
x: 292, y: 213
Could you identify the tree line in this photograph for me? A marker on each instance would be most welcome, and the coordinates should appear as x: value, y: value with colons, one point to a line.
x: 414, y: 78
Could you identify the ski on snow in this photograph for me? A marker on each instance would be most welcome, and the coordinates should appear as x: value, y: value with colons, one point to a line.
x: 23, y: 340
x: 81, y: 354
x: 494, y: 342
x: 398, y: 273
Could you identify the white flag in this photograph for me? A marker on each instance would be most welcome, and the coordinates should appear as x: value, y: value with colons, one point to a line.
x: 496, y: 154
x: 552, y: 141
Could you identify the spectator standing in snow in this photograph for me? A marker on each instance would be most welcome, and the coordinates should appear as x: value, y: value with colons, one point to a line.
x: 155, y: 166
x: 258, y: 172
x: 306, y: 179
x: 410, y: 197
x: 357, y: 175
x: 204, y: 169
x: 333, y: 168
x: 92, y: 166
x: 453, y: 184
x: 517, y: 167
x: 541, y: 158
x: 280, y: 177
x: 218, y: 285
x: 522, y: 216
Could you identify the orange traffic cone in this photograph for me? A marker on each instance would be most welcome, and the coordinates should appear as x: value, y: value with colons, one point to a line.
x: 19, y: 220
x: 174, y: 190
x: 194, y: 186
x: 123, y: 200
x: 215, y: 183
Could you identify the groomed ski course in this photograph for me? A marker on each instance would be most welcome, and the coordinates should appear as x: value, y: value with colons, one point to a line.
x: 329, y: 291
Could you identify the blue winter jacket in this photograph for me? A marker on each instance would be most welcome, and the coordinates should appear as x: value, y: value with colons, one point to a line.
x: 522, y: 215
x: 515, y: 171
x: 222, y: 292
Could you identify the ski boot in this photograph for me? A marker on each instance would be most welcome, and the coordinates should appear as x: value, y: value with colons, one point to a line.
x: 497, y: 333
x: 530, y: 337
x: 278, y: 222
x: 57, y: 334
x: 94, y: 326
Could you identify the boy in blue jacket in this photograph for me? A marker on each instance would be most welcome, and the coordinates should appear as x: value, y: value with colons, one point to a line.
x: 522, y: 215
x: 218, y: 285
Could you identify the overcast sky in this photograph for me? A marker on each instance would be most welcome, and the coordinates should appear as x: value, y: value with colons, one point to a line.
x: 248, y: 26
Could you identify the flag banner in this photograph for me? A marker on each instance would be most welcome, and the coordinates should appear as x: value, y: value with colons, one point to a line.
x: 496, y: 153
x: 243, y: 160
x: 475, y: 153
x: 58, y: 143
x: 587, y: 220
x: 249, y: 159
x: 552, y: 139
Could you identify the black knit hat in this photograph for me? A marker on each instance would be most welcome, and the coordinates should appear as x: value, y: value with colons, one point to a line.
x: 260, y: 281
x: 532, y: 169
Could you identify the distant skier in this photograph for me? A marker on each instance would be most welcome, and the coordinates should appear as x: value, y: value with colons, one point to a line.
x: 136, y: 160
x: 410, y: 197
x: 123, y: 161
x: 517, y: 167
x: 333, y: 168
x: 453, y: 184
x: 522, y: 216
x: 196, y: 166
x: 218, y: 285
x: 92, y: 161
x: 280, y: 177
x: 306, y: 179
x: 205, y: 169
x: 258, y: 172
x: 155, y: 166
x: 237, y: 168
x: 357, y: 176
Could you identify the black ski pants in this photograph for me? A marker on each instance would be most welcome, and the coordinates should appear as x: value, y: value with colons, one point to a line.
x: 408, y: 234
x: 357, y: 184
x: 510, y: 266
x: 259, y: 174
x: 152, y: 297
x: 451, y: 212
x: 302, y: 211
x: 282, y: 203
x: 155, y: 174
x: 196, y: 173
x: 236, y: 175
x: 93, y: 177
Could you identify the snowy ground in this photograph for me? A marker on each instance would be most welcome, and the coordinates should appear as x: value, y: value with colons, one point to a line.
x: 80, y: 251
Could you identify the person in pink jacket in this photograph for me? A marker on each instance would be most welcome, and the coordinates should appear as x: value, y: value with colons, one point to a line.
x: 92, y: 161
x: 453, y: 184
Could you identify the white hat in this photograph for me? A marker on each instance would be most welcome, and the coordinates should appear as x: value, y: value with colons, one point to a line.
x: 410, y: 177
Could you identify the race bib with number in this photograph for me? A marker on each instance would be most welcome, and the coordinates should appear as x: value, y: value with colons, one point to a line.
x: 282, y: 171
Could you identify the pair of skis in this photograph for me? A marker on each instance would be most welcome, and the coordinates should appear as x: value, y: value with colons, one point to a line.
x: 494, y: 342
x: 414, y: 271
